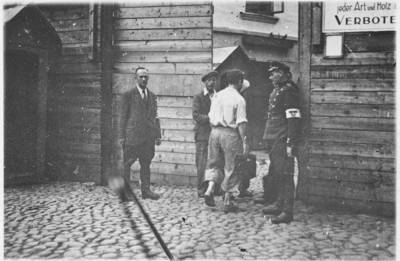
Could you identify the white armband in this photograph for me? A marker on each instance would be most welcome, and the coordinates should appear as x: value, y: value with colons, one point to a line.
x: 292, y: 113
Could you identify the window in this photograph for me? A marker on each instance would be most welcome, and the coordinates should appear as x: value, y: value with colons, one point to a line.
x: 264, y: 7
x: 262, y: 11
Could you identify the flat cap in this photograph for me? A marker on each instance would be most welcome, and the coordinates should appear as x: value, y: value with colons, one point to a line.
x: 208, y: 75
x: 278, y: 66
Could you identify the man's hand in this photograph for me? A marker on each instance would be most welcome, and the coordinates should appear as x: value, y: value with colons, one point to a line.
x: 121, y: 142
x: 289, y: 151
x: 246, y: 148
x: 158, y: 141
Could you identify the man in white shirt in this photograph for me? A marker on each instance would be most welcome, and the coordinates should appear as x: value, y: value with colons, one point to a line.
x: 227, y: 139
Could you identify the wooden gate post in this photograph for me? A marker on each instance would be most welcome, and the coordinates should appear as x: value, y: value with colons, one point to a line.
x: 106, y: 91
x: 305, y: 45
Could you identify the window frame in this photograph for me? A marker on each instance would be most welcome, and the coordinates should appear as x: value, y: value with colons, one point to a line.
x: 260, y: 17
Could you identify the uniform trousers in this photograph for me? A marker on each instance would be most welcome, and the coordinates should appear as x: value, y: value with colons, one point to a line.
x: 144, y: 152
x: 223, y: 146
x: 281, y: 171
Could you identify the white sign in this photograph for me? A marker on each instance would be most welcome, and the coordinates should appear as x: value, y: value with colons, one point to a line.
x: 358, y: 16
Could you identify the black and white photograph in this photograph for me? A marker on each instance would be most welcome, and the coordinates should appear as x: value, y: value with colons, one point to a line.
x: 199, y: 130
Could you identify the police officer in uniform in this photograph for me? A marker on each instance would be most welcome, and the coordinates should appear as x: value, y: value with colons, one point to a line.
x: 281, y: 135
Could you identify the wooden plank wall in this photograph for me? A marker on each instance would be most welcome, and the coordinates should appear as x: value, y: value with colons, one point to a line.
x: 174, y: 42
x: 73, y: 146
x: 352, y: 139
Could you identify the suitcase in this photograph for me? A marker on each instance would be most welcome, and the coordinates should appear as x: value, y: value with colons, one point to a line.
x: 246, y: 167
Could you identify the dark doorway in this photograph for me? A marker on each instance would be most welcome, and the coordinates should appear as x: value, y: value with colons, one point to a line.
x: 21, y: 113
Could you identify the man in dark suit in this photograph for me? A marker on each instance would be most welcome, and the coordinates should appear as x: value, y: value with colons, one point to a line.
x: 139, y: 130
x: 201, y: 108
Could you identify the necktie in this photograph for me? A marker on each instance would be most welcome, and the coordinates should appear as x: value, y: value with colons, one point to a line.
x: 144, y: 95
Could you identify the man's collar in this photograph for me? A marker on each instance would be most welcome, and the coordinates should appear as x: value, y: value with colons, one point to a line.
x: 140, y: 89
x: 205, y: 91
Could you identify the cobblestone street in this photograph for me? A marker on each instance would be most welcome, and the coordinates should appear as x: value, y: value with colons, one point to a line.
x: 74, y: 220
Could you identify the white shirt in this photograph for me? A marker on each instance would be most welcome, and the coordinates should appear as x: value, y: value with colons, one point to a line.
x: 141, y: 91
x: 228, y: 108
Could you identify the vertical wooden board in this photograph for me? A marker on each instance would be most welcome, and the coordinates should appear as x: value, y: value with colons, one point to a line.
x: 304, y: 49
x: 316, y: 23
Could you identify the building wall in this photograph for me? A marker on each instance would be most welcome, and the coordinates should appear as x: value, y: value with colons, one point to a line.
x: 227, y: 16
x: 175, y: 44
x: 73, y: 146
x: 352, y: 151
x: 229, y: 29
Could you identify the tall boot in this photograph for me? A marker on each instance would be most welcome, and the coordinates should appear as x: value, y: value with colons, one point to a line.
x: 145, y: 183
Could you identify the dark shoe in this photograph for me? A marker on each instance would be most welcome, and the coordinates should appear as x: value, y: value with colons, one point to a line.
x: 282, y: 218
x: 272, y: 209
x: 245, y: 194
x: 230, y: 208
x: 209, y: 200
x: 150, y: 194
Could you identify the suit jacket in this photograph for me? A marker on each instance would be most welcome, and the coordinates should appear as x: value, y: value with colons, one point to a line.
x: 138, y: 119
x: 200, y: 109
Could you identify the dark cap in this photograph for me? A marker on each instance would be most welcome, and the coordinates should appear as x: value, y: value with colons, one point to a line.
x: 278, y: 66
x: 208, y: 75
x: 234, y: 75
